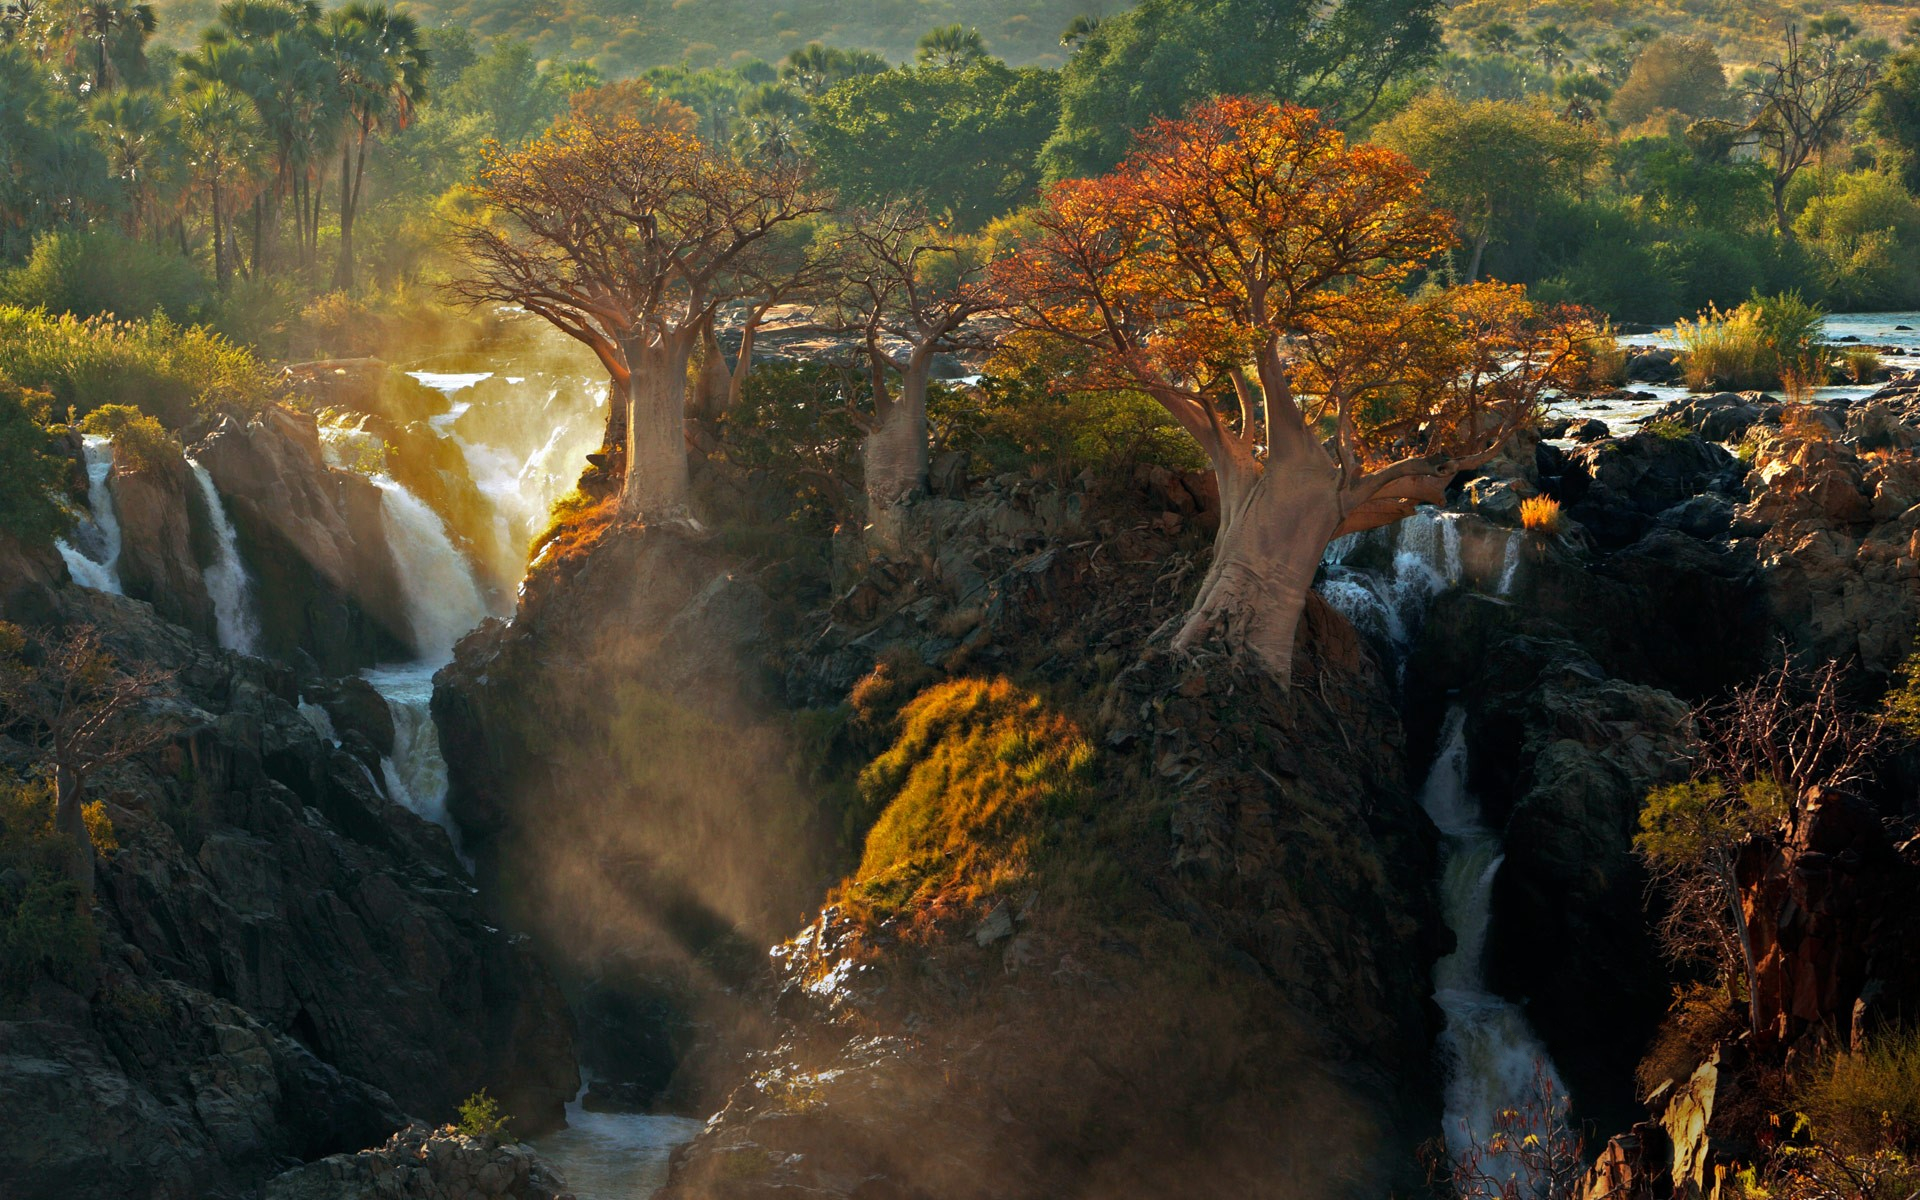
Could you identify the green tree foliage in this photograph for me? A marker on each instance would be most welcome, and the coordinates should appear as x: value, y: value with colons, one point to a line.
x: 139, y: 441
x: 1156, y: 59
x: 52, y: 173
x: 173, y: 372
x: 962, y: 141
x: 1681, y: 75
x: 31, y: 468
x: 42, y: 930
x: 1865, y: 228
x: 105, y: 272
x: 1493, y: 163
x: 480, y: 1117
x: 1894, y: 114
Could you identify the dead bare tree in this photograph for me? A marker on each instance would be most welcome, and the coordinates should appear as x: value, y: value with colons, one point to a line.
x: 1533, y: 1152
x: 80, y: 708
x: 1766, y: 751
x: 1802, y: 104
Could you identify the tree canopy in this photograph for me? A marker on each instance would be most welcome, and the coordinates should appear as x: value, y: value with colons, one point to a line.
x: 961, y: 141
x: 1156, y: 59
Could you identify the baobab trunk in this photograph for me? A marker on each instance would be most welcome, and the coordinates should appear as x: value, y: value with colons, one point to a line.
x: 70, y: 819
x: 1274, y: 528
x: 715, y: 380
x: 656, y: 483
x: 894, y: 459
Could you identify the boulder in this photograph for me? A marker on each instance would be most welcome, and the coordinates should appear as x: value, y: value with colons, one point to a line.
x: 1617, y: 486
x: 419, y: 1163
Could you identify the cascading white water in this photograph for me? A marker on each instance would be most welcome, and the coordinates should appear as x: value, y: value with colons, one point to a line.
x: 99, y: 570
x: 612, y: 1156
x: 443, y: 601
x: 320, y: 720
x: 1492, y: 1055
x: 415, y: 775
x: 1510, y: 564
x: 1425, y: 557
x: 235, y: 621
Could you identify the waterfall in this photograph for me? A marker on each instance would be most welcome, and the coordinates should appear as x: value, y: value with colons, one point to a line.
x: 99, y: 571
x: 443, y: 601
x: 227, y: 585
x: 1490, y: 1051
x: 1510, y: 565
x: 1424, y: 552
x: 319, y: 719
x: 415, y: 774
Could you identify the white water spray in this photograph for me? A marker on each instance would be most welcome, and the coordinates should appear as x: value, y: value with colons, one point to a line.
x: 443, y: 601
x: 1425, y: 556
x: 101, y: 569
x: 1492, y: 1055
x: 415, y: 775
x: 234, y: 618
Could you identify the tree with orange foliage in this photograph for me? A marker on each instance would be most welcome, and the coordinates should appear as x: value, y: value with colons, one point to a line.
x: 627, y: 237
x: 632, y: 99
x: 1245, y: 267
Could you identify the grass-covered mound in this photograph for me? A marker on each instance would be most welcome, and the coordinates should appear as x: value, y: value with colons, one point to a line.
x: 965, y: 797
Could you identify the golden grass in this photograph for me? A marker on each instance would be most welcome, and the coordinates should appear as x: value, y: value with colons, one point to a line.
x: 1540, y: 514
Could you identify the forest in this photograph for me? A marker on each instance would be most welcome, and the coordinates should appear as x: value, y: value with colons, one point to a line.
x: 1214, y: 597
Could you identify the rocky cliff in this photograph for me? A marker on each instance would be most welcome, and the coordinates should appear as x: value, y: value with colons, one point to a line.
x: 287, y: 963
x: 1214, y: 980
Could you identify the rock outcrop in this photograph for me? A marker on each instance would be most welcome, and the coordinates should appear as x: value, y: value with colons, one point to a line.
x: 288, y: 962
x: 313, y: 539
x: 164, y: 541
x: 419, y: 1163
x: 1218, y: 986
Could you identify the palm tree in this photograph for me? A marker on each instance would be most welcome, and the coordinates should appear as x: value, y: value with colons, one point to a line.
x: 382, y: 67
x: 1552, y: 47
x: 1079, y: 30
x: 104, y: 22
x: 950, y: 46
x: 222, y: 136
x: 140, y: 134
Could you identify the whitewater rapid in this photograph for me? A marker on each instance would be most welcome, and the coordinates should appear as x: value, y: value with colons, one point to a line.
x: 235, y: 620
x: 1492, y: 1055
x: 101, y: 527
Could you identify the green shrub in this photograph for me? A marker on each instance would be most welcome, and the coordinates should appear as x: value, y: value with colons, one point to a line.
x: 480, y: 1117
x: 139, y: 441
x: 1864, y: 229
x: 171, y: 371
x: 31, y: 468
x: 102, y: 273
x: 1863, y: 1102
x: 1753, y: 346
x: 41, y: 927
x: 1861, y: 364
x: 1018, y: 421
x: 965, y: 796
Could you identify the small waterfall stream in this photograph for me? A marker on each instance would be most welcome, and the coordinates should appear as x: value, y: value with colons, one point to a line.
x: 1491, y: 1053
x: 436, y: 580
x: 235, y: 620
x: 99, y: 566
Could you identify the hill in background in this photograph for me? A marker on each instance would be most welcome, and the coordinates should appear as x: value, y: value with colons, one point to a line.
x: 626, y: 36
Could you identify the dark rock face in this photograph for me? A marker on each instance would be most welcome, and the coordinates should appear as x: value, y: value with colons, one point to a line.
x: 288, y: 961
x: 163, y: 542
x: 1722, y: 416
x: 1832, y: 913
x: 1249, y: 1018
x: 313, y: 540
x: 1259, y: 1027
x: 1566, y: 755
x: 1616, y: 487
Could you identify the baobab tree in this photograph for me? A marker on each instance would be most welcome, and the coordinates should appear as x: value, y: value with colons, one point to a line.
x: 1243, y: 266
x: 626, y: 237
x: 910, y: 289
x: 83, y: 712
x: 791, y: 265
